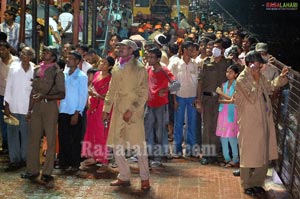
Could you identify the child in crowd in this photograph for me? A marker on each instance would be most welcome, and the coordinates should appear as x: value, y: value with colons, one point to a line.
x: 227, y: 127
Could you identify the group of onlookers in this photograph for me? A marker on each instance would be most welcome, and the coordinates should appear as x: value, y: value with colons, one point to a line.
x: 208, y: 95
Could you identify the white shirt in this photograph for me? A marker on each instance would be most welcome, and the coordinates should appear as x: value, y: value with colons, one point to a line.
x: 64, y: 19
x: 18, y: 88
x: 173, y: 59
x: 53, y: 25
x: 187, y: 75
x: 4, y: 68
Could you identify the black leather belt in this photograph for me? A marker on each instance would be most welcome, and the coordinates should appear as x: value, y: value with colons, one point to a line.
x: 209, y: 93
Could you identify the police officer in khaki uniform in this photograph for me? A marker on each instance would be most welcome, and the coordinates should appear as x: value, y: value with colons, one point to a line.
x: 48, y: 85
x: 213, y: 75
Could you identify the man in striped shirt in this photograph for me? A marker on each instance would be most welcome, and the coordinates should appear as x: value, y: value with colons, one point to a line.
x: 11, y: 28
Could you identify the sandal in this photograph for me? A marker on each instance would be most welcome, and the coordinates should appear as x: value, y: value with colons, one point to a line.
x: 231, y: 164
x: 224, y: 163
x: 88, y: 162
x: 102, y: 169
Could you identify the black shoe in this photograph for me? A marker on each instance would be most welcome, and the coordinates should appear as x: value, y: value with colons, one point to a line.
x: 250, y: 191
x: 14, y: 166
x: 47, y: 180
x: 29, y: 176
x: 259, y: 190
x: 205, y: 161
x: 236, y: 173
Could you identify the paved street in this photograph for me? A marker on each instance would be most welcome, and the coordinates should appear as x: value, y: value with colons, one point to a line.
x: 182, y: 178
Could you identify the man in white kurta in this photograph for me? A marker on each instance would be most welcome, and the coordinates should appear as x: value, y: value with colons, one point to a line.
x: 126, y: 97
x: 257, y: 138
x: 16, y: 97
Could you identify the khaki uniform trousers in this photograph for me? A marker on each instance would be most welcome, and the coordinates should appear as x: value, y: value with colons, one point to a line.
x: 124, y: 170
x: 43, y: 120
x: 210, y: 119
x: 253, y: 177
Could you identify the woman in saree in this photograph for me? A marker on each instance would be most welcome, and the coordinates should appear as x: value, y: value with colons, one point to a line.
x: 94, y: 144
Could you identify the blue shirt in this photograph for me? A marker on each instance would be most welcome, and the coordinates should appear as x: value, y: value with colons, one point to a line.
x: 76, y: 92
x: 12, y: 33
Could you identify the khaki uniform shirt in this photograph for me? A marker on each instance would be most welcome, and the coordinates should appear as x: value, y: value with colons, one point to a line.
x: 46, y: 85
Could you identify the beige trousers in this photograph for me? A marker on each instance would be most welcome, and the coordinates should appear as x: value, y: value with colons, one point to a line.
x: 124, y: 170
x: 252, y: 177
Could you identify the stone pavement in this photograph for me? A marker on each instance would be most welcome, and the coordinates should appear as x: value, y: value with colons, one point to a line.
x: 180, y: 178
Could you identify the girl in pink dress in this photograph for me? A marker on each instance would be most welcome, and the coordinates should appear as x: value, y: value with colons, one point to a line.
x: 227, y: 127
x: 94, y: 144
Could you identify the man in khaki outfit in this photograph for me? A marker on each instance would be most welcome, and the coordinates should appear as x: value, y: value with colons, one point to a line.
x: 257, y: 137
x: 48, y: 85
x: 127, y: 95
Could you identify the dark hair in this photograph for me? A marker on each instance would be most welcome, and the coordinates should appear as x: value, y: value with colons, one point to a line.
x: 204, y: 41
x: 110, y: 60
x: 196, y: 45
x: 76, y: 54
x: 92, y: 51
x: 138, y: 43
x: 136, y: 53
x: 4, y: 44
x: 173, y: 48
x: 83, y: 47
x: 253, y: 56
x: 234, y: 51
x: 251, y: 39
x: 91, y: 71
x: 117, y: 36
x: 67, y: 7
x: 210, y: 27
x: 12, y: 13
x: 186, y: 44
x: 155, y: 51
x: 226, y: 42
x: 210, y: 43
x: 3, y: 36
x: 235, y: 68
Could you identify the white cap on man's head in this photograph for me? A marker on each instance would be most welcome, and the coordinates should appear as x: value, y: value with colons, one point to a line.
x: 130, y: 43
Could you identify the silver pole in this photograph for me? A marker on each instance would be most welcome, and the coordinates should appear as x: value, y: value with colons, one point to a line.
x: 107, y: 29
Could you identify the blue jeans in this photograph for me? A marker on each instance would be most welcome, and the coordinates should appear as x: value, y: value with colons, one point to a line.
x: 156, y: 132
x: 17, y: 139
x: 183, y: 105
x: 3, y: 124
x: 233, y: 141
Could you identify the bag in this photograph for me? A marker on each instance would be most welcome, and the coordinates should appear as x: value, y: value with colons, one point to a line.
x: 11, y: 120
x: 174, y: 85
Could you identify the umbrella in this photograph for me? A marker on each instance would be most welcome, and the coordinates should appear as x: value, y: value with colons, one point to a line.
x: 41, y: 11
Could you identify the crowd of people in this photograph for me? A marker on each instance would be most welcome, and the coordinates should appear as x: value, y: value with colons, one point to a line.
x: 194, y: 86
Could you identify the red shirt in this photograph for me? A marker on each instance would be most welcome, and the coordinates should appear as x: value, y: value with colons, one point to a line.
x: 157, y: 81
